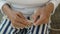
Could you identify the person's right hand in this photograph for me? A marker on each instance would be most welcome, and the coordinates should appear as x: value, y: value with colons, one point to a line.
x: 17, y: 18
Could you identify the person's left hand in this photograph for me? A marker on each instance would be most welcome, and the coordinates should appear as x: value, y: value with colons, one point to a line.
x: 41, y: 16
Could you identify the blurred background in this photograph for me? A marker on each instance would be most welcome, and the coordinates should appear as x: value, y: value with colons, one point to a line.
x: 55, y: 21
x: 0, y: 16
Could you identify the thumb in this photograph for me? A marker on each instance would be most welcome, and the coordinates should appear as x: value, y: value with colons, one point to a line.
x: 34, y: 16
x: 20, y: 15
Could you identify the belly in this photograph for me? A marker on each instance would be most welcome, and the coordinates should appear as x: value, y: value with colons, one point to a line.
x: 28, y: 2
x: 26, y: 11
x: 21, y: 5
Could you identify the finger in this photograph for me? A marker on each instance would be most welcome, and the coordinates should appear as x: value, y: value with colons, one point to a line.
x: 35, y: 17
x: 46, y: 21
x: 18, y: 25
x: 36, y: 14
x: 20, y: 15
x: 23, y: 21
x: 40, y: 20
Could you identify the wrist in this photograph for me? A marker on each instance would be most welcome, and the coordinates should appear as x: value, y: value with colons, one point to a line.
x: 6, y: 9
x: 50, y: 7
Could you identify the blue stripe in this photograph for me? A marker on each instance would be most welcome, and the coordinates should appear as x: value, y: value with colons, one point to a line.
x: 15, y: 31
x: 10, y: 30
x: 18, y: 32
x: 33, y: 29
x: 47, y: 29
x: 3, y: 25
x: 23, y: 30
x: 43, y: 28
x: 28, y: 30
x: 7, y: 27
x: 37, y: 30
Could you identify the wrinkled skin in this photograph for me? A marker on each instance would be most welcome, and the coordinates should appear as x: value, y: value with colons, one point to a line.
x: 41, y: 16
x: 19, y: 21
x: 16, y: 17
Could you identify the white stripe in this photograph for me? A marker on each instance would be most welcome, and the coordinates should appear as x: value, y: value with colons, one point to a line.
x: 47, y: 31
x: 5, y: 26
x: 34, y: 32
x: 31, y: 29
x: 45, y: 28
x: 8, y: 29
x: 40, y: 28
x: 49, y: 26
x: 12, y: 30
x: 18, y: 30
x: 2, y: 23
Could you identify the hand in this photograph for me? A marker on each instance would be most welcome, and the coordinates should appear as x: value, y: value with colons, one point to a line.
x: 17, y: 18
x: 42, y: 15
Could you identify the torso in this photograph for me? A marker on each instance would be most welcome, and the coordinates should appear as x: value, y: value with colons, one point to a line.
x: 22, y: 5
x: 28, y: 2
